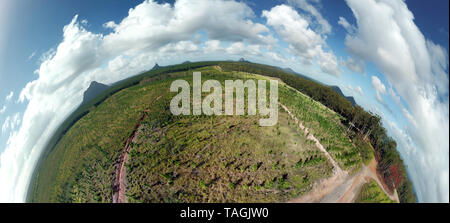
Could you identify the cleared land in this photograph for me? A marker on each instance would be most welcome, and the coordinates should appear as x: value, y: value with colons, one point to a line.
x: 166, y: 158
x: 372, y: 193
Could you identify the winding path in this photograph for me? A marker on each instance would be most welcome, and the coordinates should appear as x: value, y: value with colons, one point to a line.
x: 340, y: 187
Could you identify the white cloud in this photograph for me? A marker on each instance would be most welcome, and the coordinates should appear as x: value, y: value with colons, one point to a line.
x: 277, y: 57
x: 11, y: 122
x: 395, y: 97
x: 32, y: 55
x: 15, y: 121
x: 379, y: 87
x: 3, y: 109
x: 303, y: 41
x: 239, y: 48
x: 45, y: 56
x: 355, y: 65
x: 221, y: 20
x: 150, y: 32
x: 110, y: 25
x: 306, y: 6
x: 357, y: 89
x: 347, y: 26
x: 213, y: 46
x: 439, y: 65
x: 9, y: 96
x: 5, y: 125
x: 183, y: 47
x: 416, y: 68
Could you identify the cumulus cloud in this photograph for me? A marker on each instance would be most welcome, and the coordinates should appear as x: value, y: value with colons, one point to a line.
x: 439, y: 64
x: 379, y: 87
x: 303, y: 41
x: 357, y: 89
x: 355, y: 65
x: 11, y: 122
x: 84, y: 22
x: 211, y: 46
x: 239, y: 48
x: 150, y: 32
x: 395, y: 97
x: 221, y: 20
x: 277, y: 57
x: 417, y: 69
x: 9, y: 96
x: 3, y: 109
x: 110, y: 25
x: 347, y: 26
x: 309, y: 7
x: 5, y: 125
x: 182, y: 47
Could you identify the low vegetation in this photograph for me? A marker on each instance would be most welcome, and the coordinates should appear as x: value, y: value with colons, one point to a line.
x: 178, y: 158
x: 325, y: 125
x: 362, y: 123
x: 209, y: 158
x: 372, y: 193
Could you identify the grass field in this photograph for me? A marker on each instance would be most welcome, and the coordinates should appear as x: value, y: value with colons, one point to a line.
x: 192, y: 158
x: 372, y: 193
x: 325, y: 125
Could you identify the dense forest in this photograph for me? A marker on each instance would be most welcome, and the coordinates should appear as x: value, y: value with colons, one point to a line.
x: 367, y: 124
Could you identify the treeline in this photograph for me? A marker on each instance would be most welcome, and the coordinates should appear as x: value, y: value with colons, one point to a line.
x: 365, y: 123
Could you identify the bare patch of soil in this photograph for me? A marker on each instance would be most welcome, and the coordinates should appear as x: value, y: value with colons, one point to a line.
x: 340, y: 187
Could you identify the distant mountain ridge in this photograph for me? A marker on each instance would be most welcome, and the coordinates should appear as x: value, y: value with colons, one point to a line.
x: 289, y: 70
x: 96, y: 88
x: 339, y: 91
x: 335, y: 88
x: 93, y: 90
x: 156, y: 67
x: 243, y: 60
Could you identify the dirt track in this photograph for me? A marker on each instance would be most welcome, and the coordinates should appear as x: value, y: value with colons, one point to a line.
x: 120, y: 172
x: 120, y: 182
x: 340, y: 187
x: 364, y: 176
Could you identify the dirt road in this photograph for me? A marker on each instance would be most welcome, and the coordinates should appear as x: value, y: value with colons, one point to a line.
x: 120, y: 172
x: 340, y: 187
x: 120, y: 182
x: 364, y: 176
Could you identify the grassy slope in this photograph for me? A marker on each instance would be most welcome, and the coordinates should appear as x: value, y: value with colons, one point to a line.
x: 325, y: 125
x: 220, y: 159
x: 85, y: 108
x: 80, y: 168
x: 93, y: 143
x: 372, y: 193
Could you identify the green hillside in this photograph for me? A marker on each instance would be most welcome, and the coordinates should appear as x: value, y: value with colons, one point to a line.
x: 372, y: 193
x: 196, y: 158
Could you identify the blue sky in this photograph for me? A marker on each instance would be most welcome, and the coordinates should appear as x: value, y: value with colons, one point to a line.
x: 411, y: 94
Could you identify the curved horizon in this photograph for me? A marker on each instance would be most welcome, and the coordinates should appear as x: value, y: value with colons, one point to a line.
x: 396, y: 68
